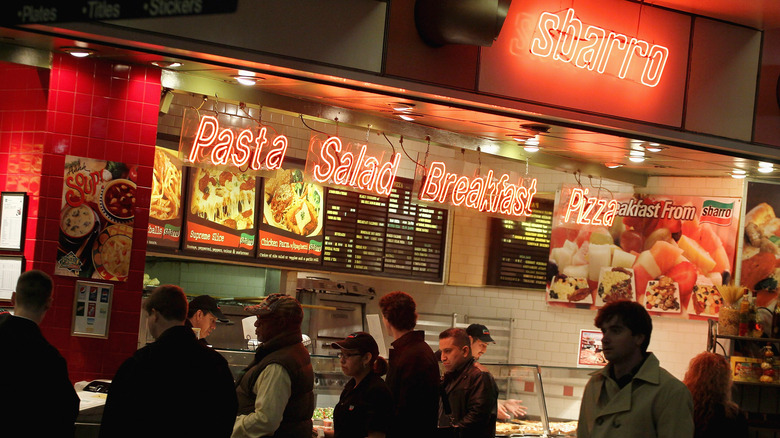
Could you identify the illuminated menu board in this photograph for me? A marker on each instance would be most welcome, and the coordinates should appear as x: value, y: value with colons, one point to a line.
x: 520, y: 249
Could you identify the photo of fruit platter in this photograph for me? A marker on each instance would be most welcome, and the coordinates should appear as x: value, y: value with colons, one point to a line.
x: 667, y: 253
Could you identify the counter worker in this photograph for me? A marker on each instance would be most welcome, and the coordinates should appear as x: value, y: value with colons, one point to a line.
x: 202, y: 316
x: 365, y: 406
x: 276, y: 391
x: 480, y: 338
x: 39, y: 399
x: 468, y: 395
x: 632, y: 396
x: 413, y: 374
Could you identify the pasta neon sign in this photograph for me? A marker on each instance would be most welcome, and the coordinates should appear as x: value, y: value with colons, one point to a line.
x: 592, y: 47
x: 229, y: 148
x: 483, y: 194
x: 363, y: 171
x: 590, y: 210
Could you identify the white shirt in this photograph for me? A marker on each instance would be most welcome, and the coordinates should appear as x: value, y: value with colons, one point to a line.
x: 273, y: 388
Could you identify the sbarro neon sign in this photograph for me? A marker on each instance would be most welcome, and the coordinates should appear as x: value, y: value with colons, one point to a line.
x: 330, y: 163
x: 592, y: 47
x: 590, y: 210
x: 486, y: 194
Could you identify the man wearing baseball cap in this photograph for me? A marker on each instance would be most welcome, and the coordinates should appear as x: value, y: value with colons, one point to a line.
x: 276, y: 391
x: 203, y: 315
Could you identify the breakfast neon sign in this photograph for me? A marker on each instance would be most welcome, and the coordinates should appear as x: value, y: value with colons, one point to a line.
x: 594, y: 48
x: 590, y: 210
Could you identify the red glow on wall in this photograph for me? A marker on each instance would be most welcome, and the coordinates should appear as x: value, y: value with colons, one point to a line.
x: 591, y: 47
x: 590, y: 210
x: 229, y: 147
x: 483, y: 194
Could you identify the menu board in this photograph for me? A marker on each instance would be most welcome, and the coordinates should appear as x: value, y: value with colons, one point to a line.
x: 390, y: 235
x: 221, y: 212
x: 520, y: 249
x: 166, y: 211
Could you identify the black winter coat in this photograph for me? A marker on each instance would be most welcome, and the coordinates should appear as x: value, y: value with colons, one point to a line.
x: 469, y: 402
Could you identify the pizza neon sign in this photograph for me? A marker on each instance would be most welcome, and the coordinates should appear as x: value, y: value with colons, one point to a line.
x: 226, y: 146
x: 590, y: 210
x: 592, y: 47
x: 483, y: 194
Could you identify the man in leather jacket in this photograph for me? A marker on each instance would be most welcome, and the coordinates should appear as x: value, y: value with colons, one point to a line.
x: 468, y: 395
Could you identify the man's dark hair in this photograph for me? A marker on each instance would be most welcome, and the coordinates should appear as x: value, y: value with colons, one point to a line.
x: 632, y: 315
x: 33, y: 289
x: 168, y: 300
x: 399, y: 309
x: 459, y: 337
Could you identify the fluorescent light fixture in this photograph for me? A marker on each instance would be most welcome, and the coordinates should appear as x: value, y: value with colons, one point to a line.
x: 78, y: 52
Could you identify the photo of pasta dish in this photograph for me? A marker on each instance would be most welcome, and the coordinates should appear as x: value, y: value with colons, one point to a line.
x: 166, y: 187
x: 224, y: 197
x: 291, y: 204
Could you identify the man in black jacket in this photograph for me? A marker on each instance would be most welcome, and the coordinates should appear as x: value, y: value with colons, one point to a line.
x: 468, y: 395
x: 39, y: 399
x: 175, y: 386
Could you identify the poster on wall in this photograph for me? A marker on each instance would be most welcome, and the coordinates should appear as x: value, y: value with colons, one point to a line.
x: 221, y: 212
x: 292, y: 211
x: 665, y: 252
x: 96, y: 219
x: 590, y: 353
x: 166, y: 208
x: 760, y: 258
x: 92, y: 309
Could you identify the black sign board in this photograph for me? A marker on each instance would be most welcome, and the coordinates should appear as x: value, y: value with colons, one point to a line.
x: 58, y: 11
x: 520, y: 249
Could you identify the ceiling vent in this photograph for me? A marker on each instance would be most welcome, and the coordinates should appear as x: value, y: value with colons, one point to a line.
x: 470, y: 22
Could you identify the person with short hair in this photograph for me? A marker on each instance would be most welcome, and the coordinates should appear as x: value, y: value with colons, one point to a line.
x: 714, y: 414
x: 39, y: 398
x: 163, y: 389
x: 632, y: 396
x: 413, y: 374
x: 276, y: 391
x: 202, y: 316
x: 469, y: 395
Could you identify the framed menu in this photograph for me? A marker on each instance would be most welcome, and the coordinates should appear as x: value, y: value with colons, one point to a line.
x: 10, y: 270
x: 92, y: 309
x: 12, y: 220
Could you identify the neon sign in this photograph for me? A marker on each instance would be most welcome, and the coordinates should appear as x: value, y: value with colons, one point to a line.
x: 236, y: 149
x: 483, y: 194
x: 330, y: 163
x: 590, y: 210
x: 592, y: 47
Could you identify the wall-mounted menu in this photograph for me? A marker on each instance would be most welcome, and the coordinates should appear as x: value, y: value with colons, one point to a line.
x: 166, y: 211
x: 520, y: 249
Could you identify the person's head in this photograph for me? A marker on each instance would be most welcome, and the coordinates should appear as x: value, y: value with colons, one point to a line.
x: 360, y: 354
x: 626, y: 326
x: 709, y: 380
x: 454, y: 347
x: 276, y: 315
x: 204, y: 313
x: 399, y: 311
x: 32, y: 297
x: 166, y: 307
x: 480, y: 337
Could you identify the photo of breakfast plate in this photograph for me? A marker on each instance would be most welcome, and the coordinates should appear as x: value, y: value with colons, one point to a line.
x: 569, y: 290
x: 111, y: 252
x: 705, y: 300
x: 663, y: 295
x: 615, y: 284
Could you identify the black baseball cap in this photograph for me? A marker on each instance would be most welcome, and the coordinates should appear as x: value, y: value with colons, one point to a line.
x: 479, y: 331
x: 360, y: 341
x: 206, y: 303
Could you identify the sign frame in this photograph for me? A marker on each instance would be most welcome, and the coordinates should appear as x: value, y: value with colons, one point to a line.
x: 3, y: 260
x: 104, y: 294
x: 8, y: 217
x: 581, y: 347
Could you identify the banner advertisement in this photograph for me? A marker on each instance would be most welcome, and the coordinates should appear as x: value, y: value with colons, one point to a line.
x: 665, y: 252
x: 760, y: 261
x: 221, y: 214
x: 166, y: 209
x: 96, y: 219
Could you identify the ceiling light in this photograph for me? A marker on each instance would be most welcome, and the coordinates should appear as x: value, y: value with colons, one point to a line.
x: 401, y: 106
x: 636, y: 156
x: 78, y: 52
x: 739, y: 172
x: 613, y: 165
x: 654, y: 147
x: 246, y: 73
x: 407, y: 117
x: 166, y: 64
x: 737, y: 175
x: 765, y: 169
x: 531, y: 148
x: 246, y: 80
x: 764, y: 164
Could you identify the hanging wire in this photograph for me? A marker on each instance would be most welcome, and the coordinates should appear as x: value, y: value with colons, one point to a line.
x: 336, y: 119
x: 368, y: 131
x: 310, y: 128
x: 577, y: 175
x: 479, y: 160
x: 391, y: 143
x: 427, y: 151
x: 401, y: 141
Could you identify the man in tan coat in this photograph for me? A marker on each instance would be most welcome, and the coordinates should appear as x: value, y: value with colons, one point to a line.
x: 632, y: 396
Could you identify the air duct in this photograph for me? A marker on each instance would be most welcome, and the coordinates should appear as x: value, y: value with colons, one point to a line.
x: 470, y: 22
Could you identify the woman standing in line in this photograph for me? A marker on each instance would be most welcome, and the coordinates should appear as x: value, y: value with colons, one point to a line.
x: 714, y: 414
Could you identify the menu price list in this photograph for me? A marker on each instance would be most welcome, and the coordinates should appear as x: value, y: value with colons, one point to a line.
x: 523, y: 248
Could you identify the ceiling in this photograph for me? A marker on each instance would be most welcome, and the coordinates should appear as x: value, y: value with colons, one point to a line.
x: 563, y: 146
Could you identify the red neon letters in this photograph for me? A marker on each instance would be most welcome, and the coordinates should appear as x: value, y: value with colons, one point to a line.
x: 589, y: 47
x: 236, y: 150
x: 363, y: 172
x: 592, y: 211
x: 483, y: 194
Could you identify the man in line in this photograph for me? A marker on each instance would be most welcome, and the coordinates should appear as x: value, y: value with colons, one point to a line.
x: 632, y: 396
x: 480, y: 337
x: 164, y: 387
x: 276, y: 391
x: 39, y: 398
x: 469, y: 396
x: 413, y: 372
x: 203, y: 315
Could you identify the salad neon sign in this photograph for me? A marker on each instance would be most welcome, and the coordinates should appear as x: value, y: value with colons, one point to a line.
x: 590, y: 210
x: 592, y: 47
x: 483, y: 194
x: 236, y: 149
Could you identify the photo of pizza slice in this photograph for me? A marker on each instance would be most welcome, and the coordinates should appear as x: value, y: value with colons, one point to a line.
x: 223, y: 197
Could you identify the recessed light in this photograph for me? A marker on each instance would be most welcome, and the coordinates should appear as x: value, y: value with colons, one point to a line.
x: 613, y: 165
x: 766, y: 169
x: 246, y: 73
x: 409, y: 117
x: 246, y: 80
x: 78, y: 52
x: 531, y: 148
x: 166, y: 64
x: 636, y: 156
x: 736, y: 175
x: 401, y: 106
x: 739, y: 172
x: 654, y: 147
x: 764, y: 164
